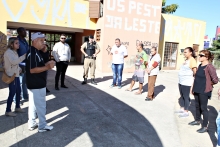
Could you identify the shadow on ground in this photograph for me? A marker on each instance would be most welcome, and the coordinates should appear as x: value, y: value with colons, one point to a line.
x: 84, y: 110
x: 212, y: 120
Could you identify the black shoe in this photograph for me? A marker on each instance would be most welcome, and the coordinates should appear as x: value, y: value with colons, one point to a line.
x: 202, y: 130
x: 85, y: 81
x: 93, y: 82
x: 63, y: 86
x: 148, y: 99
x: 194, y: 123
x: 47, y: 90
x: 57, y: 88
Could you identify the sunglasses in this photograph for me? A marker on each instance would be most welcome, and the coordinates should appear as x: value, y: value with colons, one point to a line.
x: 62, y: 38
x: 201, y: 55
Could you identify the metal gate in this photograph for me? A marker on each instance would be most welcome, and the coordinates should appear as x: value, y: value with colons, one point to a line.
x: 170, y: 55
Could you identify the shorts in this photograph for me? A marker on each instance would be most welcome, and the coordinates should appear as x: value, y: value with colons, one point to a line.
x: 138, y: 79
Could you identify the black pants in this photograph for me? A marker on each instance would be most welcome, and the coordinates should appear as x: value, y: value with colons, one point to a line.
x: 61, y: 69
x: 201, y: 108
x: 184, y: 93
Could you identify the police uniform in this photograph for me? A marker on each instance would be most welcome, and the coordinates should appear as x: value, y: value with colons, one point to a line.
x: 90, y: 61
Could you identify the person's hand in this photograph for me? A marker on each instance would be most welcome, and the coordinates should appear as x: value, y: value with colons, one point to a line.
x: 50, y: 64
x: 148, y: 71
x: 86, y: 55
x: 94, y: 55
x: 191, y: 92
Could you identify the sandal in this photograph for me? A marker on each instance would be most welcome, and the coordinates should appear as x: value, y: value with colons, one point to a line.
x: 128, y: 90
x: 138, y: 93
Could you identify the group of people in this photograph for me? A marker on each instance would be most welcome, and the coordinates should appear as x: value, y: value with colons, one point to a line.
x: 30, y: 64
x: 199, y: 81
x: 119, y: 53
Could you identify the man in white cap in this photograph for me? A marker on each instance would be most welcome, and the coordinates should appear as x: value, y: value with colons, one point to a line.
x: 36, y: 83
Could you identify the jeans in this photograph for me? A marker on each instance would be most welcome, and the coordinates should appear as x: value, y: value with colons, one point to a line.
x: 218, y: 127
x: 24, y: 93
x: 61, y: 70
x: 37, y: 107
x: 201, y: 101
x: 184, y: 93
x: 14, y: 88
x: 117, y: 73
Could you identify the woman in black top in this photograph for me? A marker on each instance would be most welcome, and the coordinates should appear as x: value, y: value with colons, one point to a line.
x: 45, y: 54
x: 205, y: 78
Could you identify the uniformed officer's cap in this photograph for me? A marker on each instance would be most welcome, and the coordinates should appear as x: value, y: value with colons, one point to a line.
x: 91, y: 36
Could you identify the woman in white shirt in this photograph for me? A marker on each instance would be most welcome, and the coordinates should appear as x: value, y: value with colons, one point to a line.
x: 186, y: 77
x: 11, y: 66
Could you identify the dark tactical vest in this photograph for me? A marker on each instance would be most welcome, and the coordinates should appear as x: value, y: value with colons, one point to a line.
x: 90, y: 50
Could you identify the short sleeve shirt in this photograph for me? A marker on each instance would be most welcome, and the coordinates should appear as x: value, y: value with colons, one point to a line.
x: 141, y: 58
x: 151, y: 61
x: 33, y: 60
x: 186, y: 72
x: 84, y: 46
x: 118, y: 54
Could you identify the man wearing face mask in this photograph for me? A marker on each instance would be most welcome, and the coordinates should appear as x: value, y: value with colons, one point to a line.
x: 62, y: 55
x: 90, y: 50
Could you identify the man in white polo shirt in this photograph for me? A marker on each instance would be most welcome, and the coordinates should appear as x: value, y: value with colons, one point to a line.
x: 152, y: 70
x: 119, y: 52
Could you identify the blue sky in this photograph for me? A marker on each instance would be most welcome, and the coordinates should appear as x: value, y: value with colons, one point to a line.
x: 206, y: 10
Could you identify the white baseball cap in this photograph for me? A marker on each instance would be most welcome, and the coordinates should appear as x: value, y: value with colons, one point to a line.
x: 37, y: 35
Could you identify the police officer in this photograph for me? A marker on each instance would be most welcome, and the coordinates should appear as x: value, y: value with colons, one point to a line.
x: 90, y: 50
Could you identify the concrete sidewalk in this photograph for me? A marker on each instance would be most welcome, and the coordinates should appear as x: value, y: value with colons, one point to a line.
x: 87, y: 115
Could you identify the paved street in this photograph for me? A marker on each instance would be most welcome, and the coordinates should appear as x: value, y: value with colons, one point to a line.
x: 87, y: 115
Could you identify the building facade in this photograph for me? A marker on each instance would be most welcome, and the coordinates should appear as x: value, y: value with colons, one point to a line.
x: 176, y: 34
x: 132, y: 21
x: 217, y: 33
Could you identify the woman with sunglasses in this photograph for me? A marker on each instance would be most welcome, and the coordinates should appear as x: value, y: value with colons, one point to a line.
x: 205, y: 78
x: 11, y: 66
x: 186, y: 77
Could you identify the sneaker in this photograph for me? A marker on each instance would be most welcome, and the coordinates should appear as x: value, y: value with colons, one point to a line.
x: 111, y: 86
x: 185, y: 114
x: 10, y: 114
x: 33, y: 127
x: 46, y: 128
x: 19, y: 110
x: 119, y: 87
x: 179, y: 111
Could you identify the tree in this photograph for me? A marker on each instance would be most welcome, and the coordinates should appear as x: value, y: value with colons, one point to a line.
x: 170, y: 8
x: 215, y: 45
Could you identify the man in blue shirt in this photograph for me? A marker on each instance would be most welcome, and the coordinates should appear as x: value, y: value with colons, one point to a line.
x: 23, y: 48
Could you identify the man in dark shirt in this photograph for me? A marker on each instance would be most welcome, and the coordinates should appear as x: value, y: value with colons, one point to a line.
x: 23, y: 48
x: 36, y: 83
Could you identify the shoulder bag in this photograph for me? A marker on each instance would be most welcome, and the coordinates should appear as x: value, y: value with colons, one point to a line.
x: 7, y: 79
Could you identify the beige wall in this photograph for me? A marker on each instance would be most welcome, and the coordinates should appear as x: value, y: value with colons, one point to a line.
x: 181, y: 30
x: 131, y: 21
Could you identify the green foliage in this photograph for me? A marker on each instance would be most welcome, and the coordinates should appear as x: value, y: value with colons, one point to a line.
x: 215, y: 46
x: 169, y: 9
